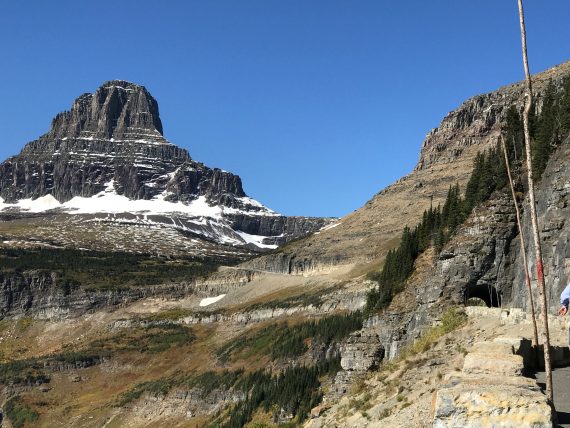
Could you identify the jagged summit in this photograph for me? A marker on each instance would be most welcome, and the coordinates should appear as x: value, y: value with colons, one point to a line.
x: 117, y: 110
x: 125, y: 84
x: 106, y: 157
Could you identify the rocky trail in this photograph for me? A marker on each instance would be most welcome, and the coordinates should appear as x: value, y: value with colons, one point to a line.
x: 466, y: 376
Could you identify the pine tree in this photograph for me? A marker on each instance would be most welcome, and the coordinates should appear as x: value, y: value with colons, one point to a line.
x: 486, y: 180
x: 472, y: 188
x: 513, y: 134
x: 499, y: 168
x: 564, y: 108
x: 545, y: 132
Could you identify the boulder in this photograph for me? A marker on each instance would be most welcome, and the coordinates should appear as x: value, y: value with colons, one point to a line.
x: 361, y: 352
x: 500, y: 364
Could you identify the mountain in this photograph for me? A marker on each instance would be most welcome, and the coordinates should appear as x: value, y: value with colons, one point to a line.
x: 446, y: 158
x: 104, y: 169
x: 132, y: 340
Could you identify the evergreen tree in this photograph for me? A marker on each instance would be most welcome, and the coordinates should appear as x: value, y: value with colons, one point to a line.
x: 438, y: 225
x: 486, y: 180
x: 514, y: 135
x: 472, y: 188
x: 546, y: 132
x: 564, y: 107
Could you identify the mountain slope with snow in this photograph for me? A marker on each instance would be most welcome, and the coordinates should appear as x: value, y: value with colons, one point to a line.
x: 107, y: 161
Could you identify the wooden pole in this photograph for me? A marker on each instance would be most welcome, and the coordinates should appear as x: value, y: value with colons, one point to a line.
x: 533, y: 216
x: 523, y: 246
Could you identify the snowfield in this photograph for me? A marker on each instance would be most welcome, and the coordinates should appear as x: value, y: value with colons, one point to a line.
x: 209, y: 300
x: 208, y: 219
x: 108, y: 201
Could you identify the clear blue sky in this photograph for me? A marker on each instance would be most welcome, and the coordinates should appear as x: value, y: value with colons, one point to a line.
x: 316, y: 104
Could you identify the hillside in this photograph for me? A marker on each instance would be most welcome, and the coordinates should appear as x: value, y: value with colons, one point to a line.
x: 446, y: 158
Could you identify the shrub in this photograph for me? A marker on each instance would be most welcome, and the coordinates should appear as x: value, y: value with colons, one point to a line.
x: 289, y: 341
x: 100, y: 270
x: 22, y: 372
x: 451, y: 319
x: 151, y: 339
x: 155, y: 387
x: 19, y: 412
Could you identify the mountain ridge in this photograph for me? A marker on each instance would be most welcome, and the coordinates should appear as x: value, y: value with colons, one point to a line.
x: 108, y: 155
x: 446, y: 158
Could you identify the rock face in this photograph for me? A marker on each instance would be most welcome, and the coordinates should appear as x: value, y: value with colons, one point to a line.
x: 118, y: 126
x: 186, y: 403
x: 484, y: 260
x: 480, y: 261
x: 553, y: 209
x: 477, y: 121
x: 361, y: 352
x: 44, y: 295
x: 473, y: 264
x: 285, y: 262
x: 492, y: 404
x: 109, y: 149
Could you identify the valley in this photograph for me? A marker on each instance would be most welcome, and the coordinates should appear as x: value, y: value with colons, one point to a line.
x: 141, y: 288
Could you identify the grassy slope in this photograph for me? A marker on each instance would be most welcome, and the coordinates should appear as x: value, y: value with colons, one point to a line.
x: 134, y: 356
x: 105, y: 270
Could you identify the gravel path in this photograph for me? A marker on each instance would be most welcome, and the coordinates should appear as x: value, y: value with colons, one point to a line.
x: 561, y: 381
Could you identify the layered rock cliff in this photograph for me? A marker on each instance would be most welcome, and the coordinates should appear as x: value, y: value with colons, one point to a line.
x: 553, y: 209
x: 45, y: 295
x: 484, y: 261
x: 484, y: 258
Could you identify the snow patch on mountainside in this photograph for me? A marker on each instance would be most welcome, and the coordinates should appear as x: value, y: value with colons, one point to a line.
x: 328, y: 226
x: 108, y: 201
x: 209, y: 300
x: 196, y: 216
x: 45, y: 203
x: 255, y: 239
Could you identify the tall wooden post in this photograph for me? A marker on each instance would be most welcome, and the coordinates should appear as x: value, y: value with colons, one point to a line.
x: 535, y: 231
x: 523, y: 246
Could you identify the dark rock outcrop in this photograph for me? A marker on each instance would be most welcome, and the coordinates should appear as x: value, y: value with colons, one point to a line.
x: 112, y: 136
x: 118, y: 109
x: 478, y: 120
x: 45, y: 295
x: 553, y: 209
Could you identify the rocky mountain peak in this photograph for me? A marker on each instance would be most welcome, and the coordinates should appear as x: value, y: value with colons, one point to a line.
x: 117, y: 110
x: 106, y: 160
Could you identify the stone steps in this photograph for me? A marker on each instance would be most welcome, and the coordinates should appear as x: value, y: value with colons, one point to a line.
x: 491, y: 391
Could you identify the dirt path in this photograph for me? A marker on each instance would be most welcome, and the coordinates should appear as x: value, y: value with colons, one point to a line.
x: 561, y: 381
